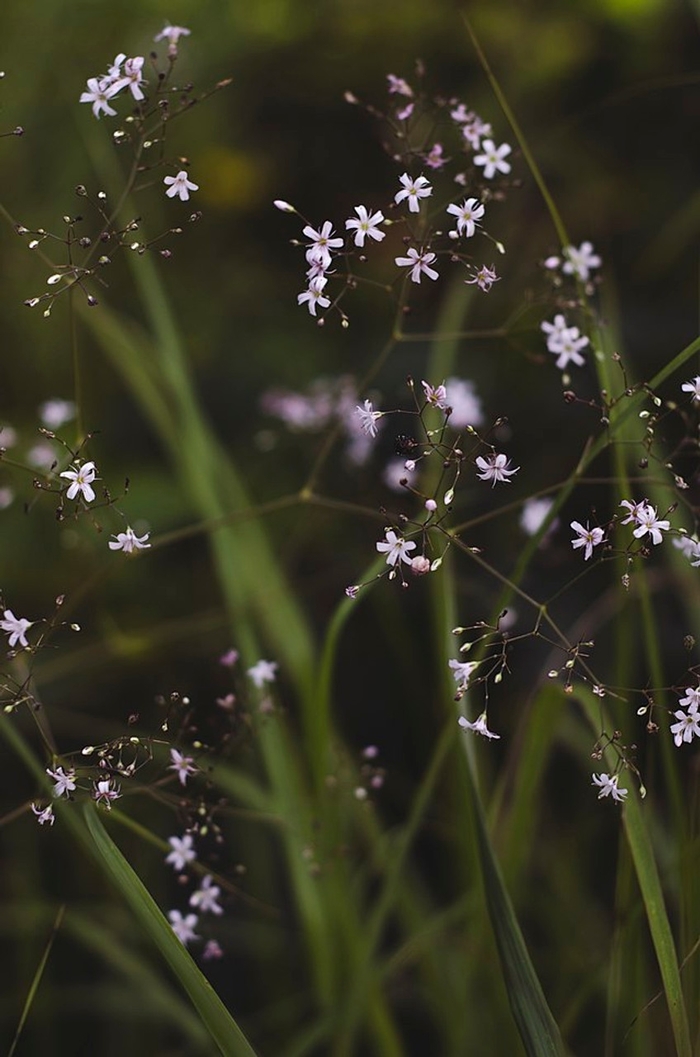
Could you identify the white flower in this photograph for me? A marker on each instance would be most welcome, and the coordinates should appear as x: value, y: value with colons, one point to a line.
x: 688, y: 546
x: 183, y: 851
x: 533, y: 514
x: 180, y: 185
x: 314, y: 296
x: 608, y: 786
x: 44, y: 814
x: 436, y: 396
x: 461, y: 672
x: 474, y: 131
x: 418, y: 262
x: 465, y: 404
x: 633, y: 511
x: 493, y: 158
x: 495, y: 468
x: 366, y: 225
x: 687, y: 727
x: 554, y: 331
x: 693, y: 387
x: 172, y: 34
x: 587, y: 537
x: 132, y: 78
x: 82, y: 479
x: 16, y: 628
x: 692, y: 700
x: 468, y: 215
x: 64, y: 781
x: 460, y: 115
x: 580, y: 261
x: 479, y: 726
x: 114, y: 72
x: 105, y: 792
x: 205, y: 898
x: 483, y: 277
x: 183, y: 927
x: 568, y: 348
x: 183, y: 765
x: 396, y: 548
x: 368, y: 418
x: 128, y: 541
x: 99, y: 91
x: 322, y: 242
x: 54, y: 413
x: 413, y: 190
x: 263, y: 672
x: 647, y: 521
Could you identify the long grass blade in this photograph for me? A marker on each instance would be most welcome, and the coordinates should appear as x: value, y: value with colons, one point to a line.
x: 36, y: 979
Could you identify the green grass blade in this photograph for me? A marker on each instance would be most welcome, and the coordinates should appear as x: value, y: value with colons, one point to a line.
x: 36, y: 979
x: 222, y: 1027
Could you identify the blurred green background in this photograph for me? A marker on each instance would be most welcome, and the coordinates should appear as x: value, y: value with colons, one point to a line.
x: 607, y: 93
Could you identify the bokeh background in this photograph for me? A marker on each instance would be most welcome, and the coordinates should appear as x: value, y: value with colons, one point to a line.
x: 607, y: 93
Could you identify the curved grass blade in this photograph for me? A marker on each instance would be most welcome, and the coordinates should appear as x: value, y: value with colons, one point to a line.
x: 221, y: 1026
x: 36, y: 980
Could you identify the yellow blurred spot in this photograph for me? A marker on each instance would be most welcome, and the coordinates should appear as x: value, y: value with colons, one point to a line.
x: 627, y: 9
x: 233, y: 179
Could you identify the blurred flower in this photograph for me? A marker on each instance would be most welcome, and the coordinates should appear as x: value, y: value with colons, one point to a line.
x: 461, y: 672
x: 475, y: 130
x: 580, y: 261
x: 413, y: 190
x: 533, y: 514
x: 211, y: 950
x: 587, y: 537
x: 183, y: 927
x: 435, y: 158
x: 608, y: 786
x: 229, y: 659
x: 465, y: 404
x: 479, y: 726
x: 54, y: 413
x: 398, y: 86
x: 42, y: 456
x: 183, y: 765
x: 493, y: 158
x: 263, y: 672
x: 693, y: 387
x: 172, y: 34
x: 128, y: 541
x: 64, y: 781
x: 495, y: 468
x: 205, y: 898
x: 8, y: 436
x: 395, y: 548
x: 183, y: 851
x: 394, y: 472
x: 7, y: 497
x: 82, y: 479
x: 180, y: 185
x: 16, y: 628
x: 468, y: 214
x: 418, y: 262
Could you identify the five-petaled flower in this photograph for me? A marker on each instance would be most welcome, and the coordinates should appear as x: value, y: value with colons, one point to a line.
x: 647, y: 521
x: 81, y: 481
x: 183, y: 851
x: 608, y: 786
x: 368, y: 418
x: 314, y: 295
x: 483, y: 277
x: 396, y: 548
x: 99, y: 91
x: 180, y: 185
x: 587, y: 537
x: 692, y: 699
x: 205, y: 898
x: 16, y: 628
x: 493, y: 158
x: 580, y: 261
x: 64, y: 781
x: 495, y: 467
x: 437, y: 395
x: 366, y: 225
x: 413, y: 190
x: 263, y: 672
x: 479, y: 726
x: 468, y: 215
x: 183, y: 927
x: 418, y: 262
x: 322, y: 242
x: 183, y: 765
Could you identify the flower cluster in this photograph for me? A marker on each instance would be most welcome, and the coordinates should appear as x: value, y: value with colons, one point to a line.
x: 577, y: 262
x: 688, y: 723
x: 564, y: 342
